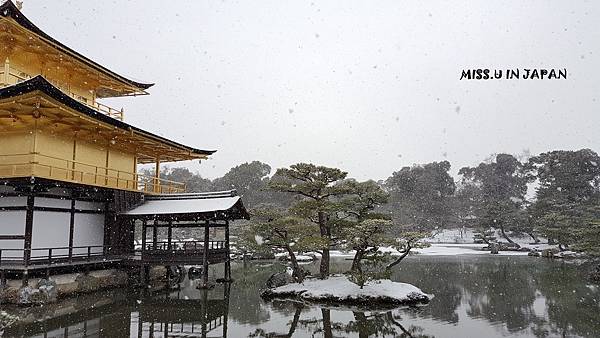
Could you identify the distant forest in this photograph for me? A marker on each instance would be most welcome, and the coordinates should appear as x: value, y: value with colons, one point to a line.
x: 565, y: 207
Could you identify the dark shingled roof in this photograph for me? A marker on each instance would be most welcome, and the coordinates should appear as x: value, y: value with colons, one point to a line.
x: 39, y: 83
x: 8, y: 9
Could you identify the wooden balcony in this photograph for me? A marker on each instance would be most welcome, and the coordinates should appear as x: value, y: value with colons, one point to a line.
x: 191, y: 252
x: 10, y: 76
x: 44, y: 166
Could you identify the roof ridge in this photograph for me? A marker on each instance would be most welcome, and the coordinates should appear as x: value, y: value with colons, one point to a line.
x: 197, y: 195
x: 9, y: 9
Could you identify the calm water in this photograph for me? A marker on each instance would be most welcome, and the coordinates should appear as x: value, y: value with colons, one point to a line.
x: 474, y: 297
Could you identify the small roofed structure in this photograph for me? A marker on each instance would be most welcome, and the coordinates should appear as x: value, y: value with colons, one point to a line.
x: 221, y: 205
x: 212, y: 210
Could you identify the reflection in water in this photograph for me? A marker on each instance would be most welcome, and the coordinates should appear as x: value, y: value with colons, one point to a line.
x: 474, y: 297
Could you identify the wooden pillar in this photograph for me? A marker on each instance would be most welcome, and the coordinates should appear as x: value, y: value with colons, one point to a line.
x: 205, y: 256
x: 204, y: 312
x: 106, y: 165
x: 74, y: 157
x: 140, y: 324
x: 227, y: 271
x: 71, y: 229
x: 155, y: 234
x: 2, y: 279
x: 226, y: 290
x: 110, y: 223
x: 143, y: 266
x: 28, y: 234
x: 156, y: 184
x: 6, y: 71
x: 130, y: 247
x: 144, y: 223
x: 170, y: 234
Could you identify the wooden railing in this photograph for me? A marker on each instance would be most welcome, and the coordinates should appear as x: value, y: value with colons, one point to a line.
x: 39, y: 165
x: 183, y: 252
x: 48, y: 257
x: 189, y: 246
x: 52, y: 256
x: 10, y: 76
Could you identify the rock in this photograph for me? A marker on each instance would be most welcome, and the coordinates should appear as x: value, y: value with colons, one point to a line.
x: 549, y: 253
x: 87, y: 283
x: 176, y: 274
x: 9, y: 295
x: 534, y: 253
x: 6, y: 320
x: 494, y: 248
x: 48, y: 290
x: 157, y: 272
x: 25, y: 295
x: 508, y: 246
x: 278, y: 279
x: 262, y: 255
x: 29, y: 295
x: 567, y: 254
x: 44, y: 292
x: 595, y: 275
x: 194, y: 272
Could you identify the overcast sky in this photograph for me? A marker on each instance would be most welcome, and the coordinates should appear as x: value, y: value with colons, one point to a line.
x: 367, y: 86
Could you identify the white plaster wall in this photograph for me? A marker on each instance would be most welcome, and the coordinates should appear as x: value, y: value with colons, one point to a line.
x: 89, y: 230
x: 11, y: 244
x: 6, y: 189
x: 10, y: 201
x: 52, y: 202
x: 50, y: 230
x: 12, y: 222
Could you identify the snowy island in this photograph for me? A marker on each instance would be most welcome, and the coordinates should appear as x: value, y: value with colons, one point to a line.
x: 339, y: 290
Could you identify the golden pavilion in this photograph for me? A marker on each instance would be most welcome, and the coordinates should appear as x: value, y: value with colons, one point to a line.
x: 70, y: 192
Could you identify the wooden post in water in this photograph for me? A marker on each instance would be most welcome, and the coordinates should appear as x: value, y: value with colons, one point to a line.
x: 204, y: 311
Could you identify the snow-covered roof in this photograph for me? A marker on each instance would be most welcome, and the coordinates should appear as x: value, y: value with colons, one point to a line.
x: 220, y: 204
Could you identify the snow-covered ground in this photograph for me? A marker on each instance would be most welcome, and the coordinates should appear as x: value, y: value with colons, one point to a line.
x: 437, y: 249
x: 447, y: 242
x: 339, y: 289
x: 299, y: 258
x: 457, y: 236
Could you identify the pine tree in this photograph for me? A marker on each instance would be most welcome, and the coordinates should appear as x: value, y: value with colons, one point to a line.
x: 276, y: 229
x: 317, y: 188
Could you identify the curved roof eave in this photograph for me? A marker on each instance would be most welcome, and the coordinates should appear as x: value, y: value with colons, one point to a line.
x: 8, y: 9
x: 41, y: 84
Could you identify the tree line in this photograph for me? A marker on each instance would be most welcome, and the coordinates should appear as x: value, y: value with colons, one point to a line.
x: 555, y: 194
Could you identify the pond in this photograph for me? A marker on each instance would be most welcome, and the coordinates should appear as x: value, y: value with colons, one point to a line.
x: 475, y: 296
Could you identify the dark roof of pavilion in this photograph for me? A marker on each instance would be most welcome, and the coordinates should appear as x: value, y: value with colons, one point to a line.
x: 8, y: 9
x: 39, y: 83
x: 220, y: 205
